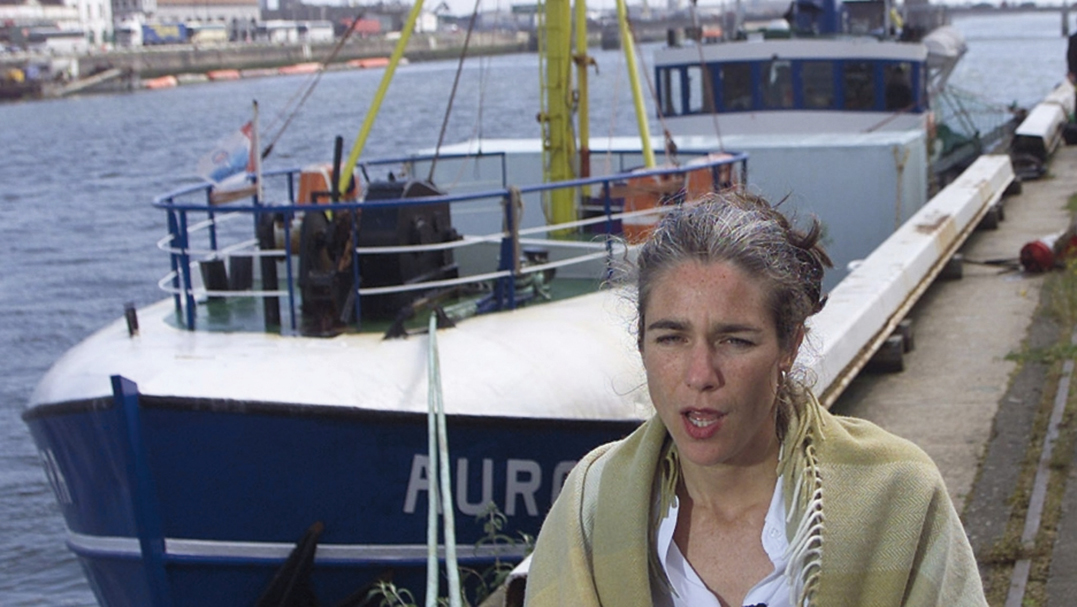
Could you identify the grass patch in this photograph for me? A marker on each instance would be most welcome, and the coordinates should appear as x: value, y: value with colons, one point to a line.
x: 1071, y: 204
x: 1045, y: 356
x: 1060, y: 303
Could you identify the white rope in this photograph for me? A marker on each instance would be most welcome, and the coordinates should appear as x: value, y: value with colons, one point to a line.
x: 441, y: 457
x: 432, y: 494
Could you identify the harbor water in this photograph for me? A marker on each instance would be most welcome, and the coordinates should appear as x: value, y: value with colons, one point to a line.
x: 78, y: 234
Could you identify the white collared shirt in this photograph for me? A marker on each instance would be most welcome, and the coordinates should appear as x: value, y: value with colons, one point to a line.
x: 688, y: 588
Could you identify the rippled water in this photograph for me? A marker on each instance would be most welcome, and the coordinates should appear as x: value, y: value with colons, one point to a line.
x: 77, y: 232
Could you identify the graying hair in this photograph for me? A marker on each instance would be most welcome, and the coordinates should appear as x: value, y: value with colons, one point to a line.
x: 748, y: 232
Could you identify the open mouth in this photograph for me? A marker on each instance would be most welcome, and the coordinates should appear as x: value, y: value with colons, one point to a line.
x: 702, y: 424
x: 702, y: 419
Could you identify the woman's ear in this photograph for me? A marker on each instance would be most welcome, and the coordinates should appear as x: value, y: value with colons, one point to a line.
x: 790, y: 355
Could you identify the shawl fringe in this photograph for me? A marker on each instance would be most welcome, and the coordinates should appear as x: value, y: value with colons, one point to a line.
x: 800, y: 460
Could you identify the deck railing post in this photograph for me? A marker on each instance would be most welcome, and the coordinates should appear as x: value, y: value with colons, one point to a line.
x: 185, y: 268
x: 510, y: 251
x: 607, y: 208
x: 356, y: 277
x: 212, y: 216
x: 289, y: 216
x: 173, y: 257
x: 263, y: 221
x: 148, y: 522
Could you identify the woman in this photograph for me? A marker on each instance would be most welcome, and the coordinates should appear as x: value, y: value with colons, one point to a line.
x: 742, y: 489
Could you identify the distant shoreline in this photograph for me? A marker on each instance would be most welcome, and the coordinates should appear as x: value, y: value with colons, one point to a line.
x: 133, y: 68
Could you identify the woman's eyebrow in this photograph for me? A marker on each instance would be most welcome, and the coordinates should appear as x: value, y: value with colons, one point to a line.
x: 673, y: 324
x: 723, y: 328
x: 668, y: 323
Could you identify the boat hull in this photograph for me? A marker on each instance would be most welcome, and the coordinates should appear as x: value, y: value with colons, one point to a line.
x: 173, y: 501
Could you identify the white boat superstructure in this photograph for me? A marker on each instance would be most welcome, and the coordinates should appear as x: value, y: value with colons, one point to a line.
x: 793, y: 86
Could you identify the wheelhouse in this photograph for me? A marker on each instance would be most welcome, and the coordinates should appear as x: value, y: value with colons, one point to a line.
x: 864, y: 80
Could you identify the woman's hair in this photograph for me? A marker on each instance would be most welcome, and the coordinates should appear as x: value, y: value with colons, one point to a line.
x: 746, y: 231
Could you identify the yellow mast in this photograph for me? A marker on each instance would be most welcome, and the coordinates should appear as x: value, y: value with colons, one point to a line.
x: 637, y: 92
x: 559, y: 146
x: 582, y: 62
x: 379, y: 96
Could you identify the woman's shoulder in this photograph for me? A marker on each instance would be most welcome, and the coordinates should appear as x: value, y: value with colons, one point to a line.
x: 858, y: 443
x: 588, y: 471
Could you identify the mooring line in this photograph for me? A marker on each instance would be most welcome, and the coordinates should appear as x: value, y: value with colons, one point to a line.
x: 1021, y: 569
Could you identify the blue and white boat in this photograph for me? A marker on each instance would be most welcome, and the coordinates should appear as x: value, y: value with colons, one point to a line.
x: 277, y: 403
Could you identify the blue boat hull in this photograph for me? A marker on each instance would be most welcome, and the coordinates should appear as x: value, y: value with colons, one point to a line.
x: 196, y: 502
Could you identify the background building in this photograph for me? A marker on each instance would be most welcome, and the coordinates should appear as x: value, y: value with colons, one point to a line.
x: 91, y: 17
x: 206, y: 11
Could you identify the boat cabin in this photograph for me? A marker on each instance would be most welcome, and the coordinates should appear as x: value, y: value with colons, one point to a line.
x: 793, y: 86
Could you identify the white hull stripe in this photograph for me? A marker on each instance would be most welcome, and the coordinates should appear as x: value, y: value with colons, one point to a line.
x: 129, y: 546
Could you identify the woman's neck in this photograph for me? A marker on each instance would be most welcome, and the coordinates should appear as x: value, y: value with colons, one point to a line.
x: 731, y: 488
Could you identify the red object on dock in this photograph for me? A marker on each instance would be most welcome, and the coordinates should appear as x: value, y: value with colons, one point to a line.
x: 1049, y: 251
x: 1037, y: 256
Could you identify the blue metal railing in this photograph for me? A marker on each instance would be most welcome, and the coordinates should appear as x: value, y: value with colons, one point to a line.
x: 197, y: 200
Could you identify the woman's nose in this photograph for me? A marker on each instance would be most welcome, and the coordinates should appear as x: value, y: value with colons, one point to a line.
x: 701, y: 372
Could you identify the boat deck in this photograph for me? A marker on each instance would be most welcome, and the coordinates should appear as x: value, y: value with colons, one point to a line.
x: 247, y: 314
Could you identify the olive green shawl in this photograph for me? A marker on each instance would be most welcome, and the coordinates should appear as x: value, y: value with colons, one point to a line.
x: 870, y: 523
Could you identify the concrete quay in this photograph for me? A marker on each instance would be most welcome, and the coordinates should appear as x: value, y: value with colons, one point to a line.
x: 960, y: 399
x: 174, y: 59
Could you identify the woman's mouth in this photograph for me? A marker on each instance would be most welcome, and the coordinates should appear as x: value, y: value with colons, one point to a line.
x: 701, y: 425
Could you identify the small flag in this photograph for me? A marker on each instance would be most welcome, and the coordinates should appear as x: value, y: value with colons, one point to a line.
x: 231, y: 155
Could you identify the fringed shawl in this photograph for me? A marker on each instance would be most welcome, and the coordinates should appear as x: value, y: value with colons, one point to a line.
x: 869, y: 522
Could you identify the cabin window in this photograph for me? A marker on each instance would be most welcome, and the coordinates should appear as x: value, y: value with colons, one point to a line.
x: 699, y: 82
x: 672, y: 92
x: 898, y: 91
x: 777, y: 84
x: 858, y: 79
x: 818, y: 78
x: 736, y: 86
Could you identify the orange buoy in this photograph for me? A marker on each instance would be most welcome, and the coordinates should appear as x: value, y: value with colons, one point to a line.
x: 163, y: 82
x: 369, y: 62
x: 299, y: 68
x: 223, y: 75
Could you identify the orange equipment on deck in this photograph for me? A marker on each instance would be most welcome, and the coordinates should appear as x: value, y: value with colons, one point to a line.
x: 649, y: 192
x: 315, y: 185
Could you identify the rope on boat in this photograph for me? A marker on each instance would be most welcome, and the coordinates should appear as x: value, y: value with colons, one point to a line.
x: 313, y: 82
x: 706, y: 82
x: 379, y: 94
x: 440, y: 486
x: 452, y: 95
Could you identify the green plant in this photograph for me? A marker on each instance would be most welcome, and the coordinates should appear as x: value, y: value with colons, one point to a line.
x: 388, y: 595
x: 481, y: 583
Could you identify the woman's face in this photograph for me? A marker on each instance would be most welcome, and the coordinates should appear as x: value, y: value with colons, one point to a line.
x: 713, y: 360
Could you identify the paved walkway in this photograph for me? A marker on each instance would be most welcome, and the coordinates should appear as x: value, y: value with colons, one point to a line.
x: 959, y: 398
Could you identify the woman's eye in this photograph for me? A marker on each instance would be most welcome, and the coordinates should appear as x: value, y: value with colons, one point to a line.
x: 738, y: 342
